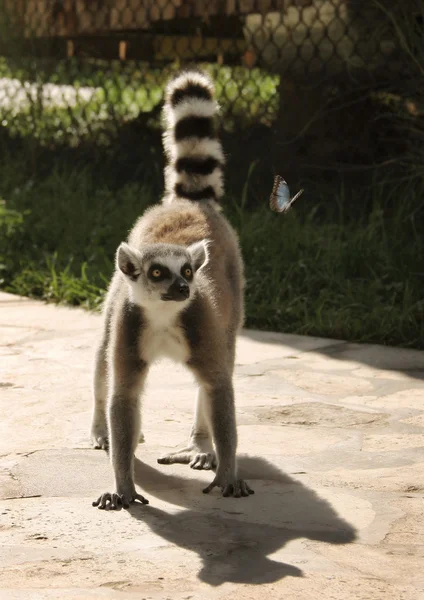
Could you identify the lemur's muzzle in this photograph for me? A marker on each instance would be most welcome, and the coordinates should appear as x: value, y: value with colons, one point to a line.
x: 177, y: 291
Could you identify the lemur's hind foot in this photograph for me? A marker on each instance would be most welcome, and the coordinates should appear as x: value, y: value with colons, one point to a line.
x: 191, y: 456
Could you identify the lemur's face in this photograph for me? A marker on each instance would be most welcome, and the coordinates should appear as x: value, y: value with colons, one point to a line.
x: 161, y: 272
x: 167, y: 278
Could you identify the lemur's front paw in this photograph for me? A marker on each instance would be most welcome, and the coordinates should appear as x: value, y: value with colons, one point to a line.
x: 237, y: 488
x: 108, y: 501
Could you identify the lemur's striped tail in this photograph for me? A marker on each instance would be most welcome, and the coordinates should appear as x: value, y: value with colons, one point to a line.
x: 195, y: 156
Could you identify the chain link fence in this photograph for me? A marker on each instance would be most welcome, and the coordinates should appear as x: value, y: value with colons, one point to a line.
x: 72, y: 70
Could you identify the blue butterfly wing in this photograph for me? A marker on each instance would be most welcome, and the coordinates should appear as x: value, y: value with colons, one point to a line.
x: 283, y: 196
x: 280, y: 200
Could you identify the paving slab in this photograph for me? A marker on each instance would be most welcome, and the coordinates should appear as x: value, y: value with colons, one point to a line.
x: 331, y: 437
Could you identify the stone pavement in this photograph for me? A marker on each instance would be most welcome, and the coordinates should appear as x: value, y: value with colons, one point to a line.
x: 330, y: 437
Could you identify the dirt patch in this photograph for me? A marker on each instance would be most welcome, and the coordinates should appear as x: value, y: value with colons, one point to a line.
x: 328, y: 384
x: 320, y: 415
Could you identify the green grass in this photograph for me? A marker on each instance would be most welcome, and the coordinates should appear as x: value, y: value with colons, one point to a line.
x: 317, y: 270
x: 119, y: 93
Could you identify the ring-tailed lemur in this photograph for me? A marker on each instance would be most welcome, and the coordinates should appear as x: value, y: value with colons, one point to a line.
x: 177, y: 291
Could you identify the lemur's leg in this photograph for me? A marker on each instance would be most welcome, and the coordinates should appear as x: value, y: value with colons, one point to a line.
x: 212, y: 364
x: 99, y: 436
x: 123, y: 414
x: 221, y: 401
x: 198, y: 452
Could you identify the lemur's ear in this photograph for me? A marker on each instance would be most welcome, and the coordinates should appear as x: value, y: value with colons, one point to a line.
x: 128, y: 260
x: 199, y: 253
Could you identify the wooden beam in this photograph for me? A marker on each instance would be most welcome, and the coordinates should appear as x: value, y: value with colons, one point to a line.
x: 146, y: 47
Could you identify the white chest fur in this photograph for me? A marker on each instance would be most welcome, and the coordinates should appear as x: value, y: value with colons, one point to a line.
x: 163, y: 338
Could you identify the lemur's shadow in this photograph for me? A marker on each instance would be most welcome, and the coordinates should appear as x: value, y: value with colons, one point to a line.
x: 236, y: 548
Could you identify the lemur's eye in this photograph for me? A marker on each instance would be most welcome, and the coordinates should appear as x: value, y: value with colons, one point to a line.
x: 187, y: 272
x: 158, y: 272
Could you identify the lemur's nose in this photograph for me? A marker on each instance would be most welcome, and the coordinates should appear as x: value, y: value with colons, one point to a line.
x: 179, y: 290
x: 184, y: 289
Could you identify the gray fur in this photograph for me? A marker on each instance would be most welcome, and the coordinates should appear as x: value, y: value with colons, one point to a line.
x: 192, y: 317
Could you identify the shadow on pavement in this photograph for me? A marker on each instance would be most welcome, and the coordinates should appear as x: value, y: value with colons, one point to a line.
x: 234, y: 544
x: 387, y: 358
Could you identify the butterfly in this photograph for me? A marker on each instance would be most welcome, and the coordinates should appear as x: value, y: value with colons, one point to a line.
x: 280, y: 200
